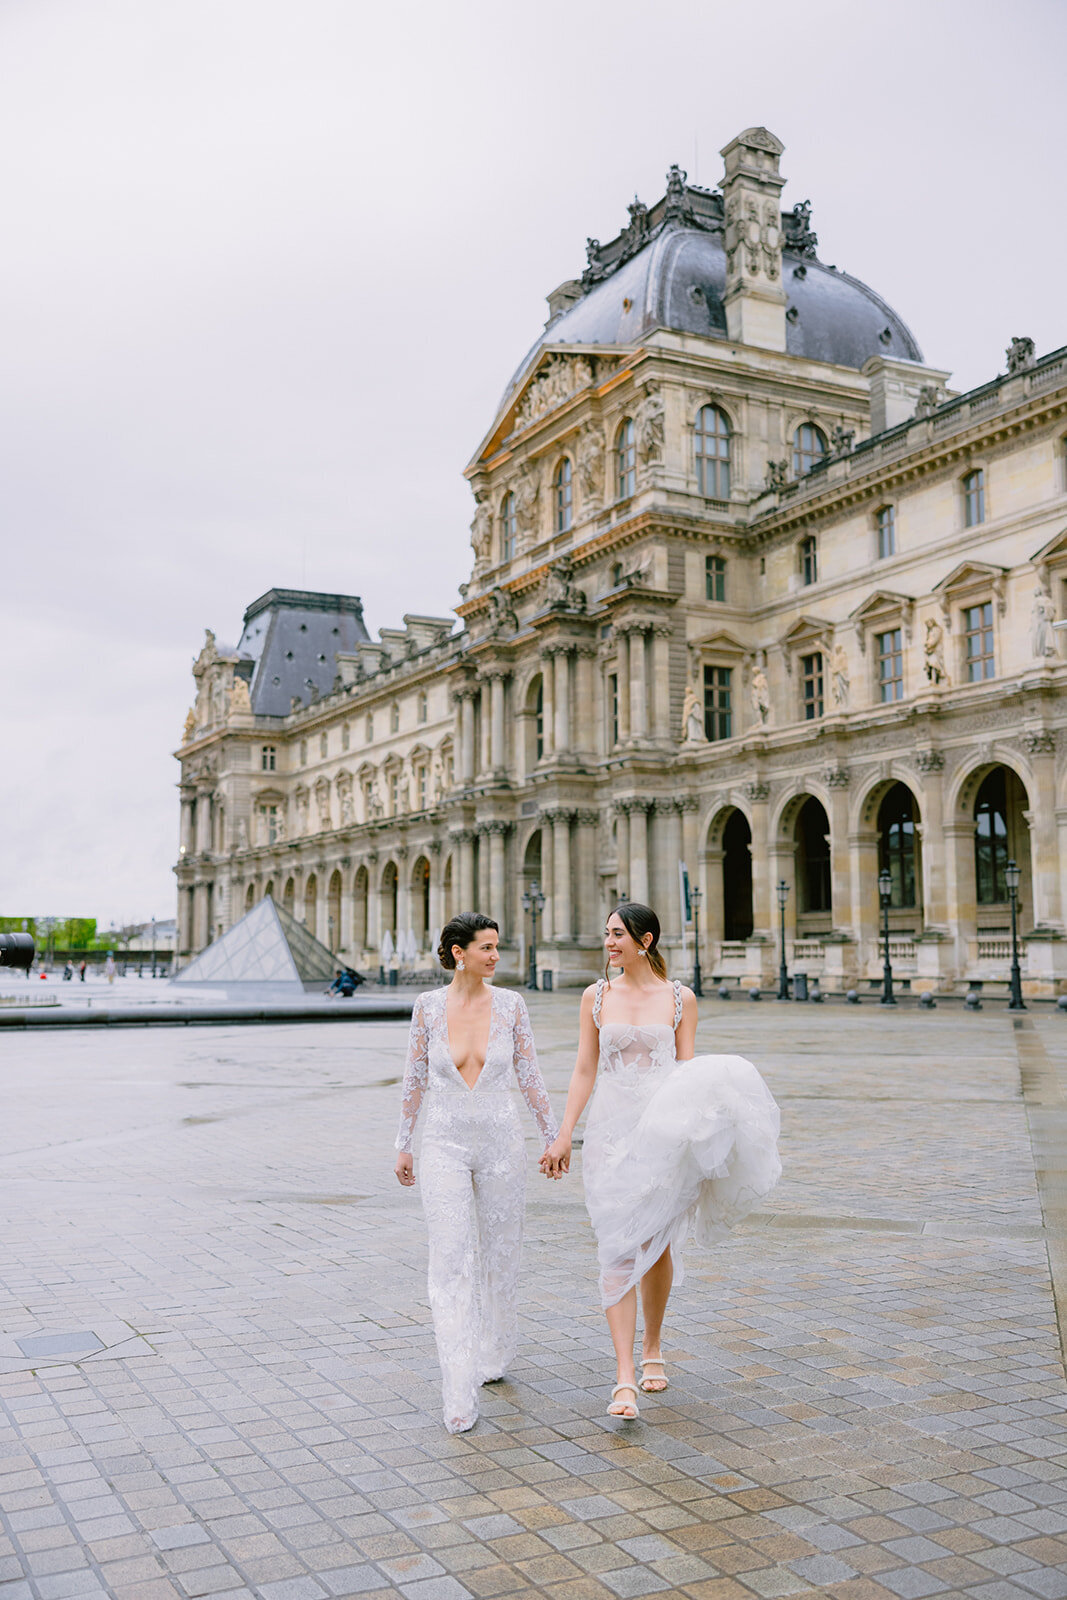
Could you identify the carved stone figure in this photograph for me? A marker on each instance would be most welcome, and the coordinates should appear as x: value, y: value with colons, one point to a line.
x: 591, y: 464
x: 934, y: 652
x: 839, y: 679
x: 527, y: 493
x: 190, y: 726
x: 798, y: 230
x: 648, y: 425
x: 777, y: 474
x: 561, y: 592
x: 692, y: 717
x: 242, y: 834
x: 279, y: 826
x: 481, y: 530
x: 501, y: 617
x: 930, y: 397
x: 240, y: 703
x: 322, y: 798
x: 1020, y: 354
x: 675, y: 207
x: 841, y: 440
x: 761, y: 695
x: 1042, y: 616
x: 559, y: 378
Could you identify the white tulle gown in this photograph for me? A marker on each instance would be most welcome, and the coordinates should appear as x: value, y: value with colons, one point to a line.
x: 670, y: 1147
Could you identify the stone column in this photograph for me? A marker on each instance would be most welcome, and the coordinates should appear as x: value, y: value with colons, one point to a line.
x: 584, y: 722
x: 436, y: 893
x: 203, y: 821
x: 764, y: 901
x: 866, y: 904
x: 661, y: 681
x: 587, y: 826
x: 494, y: 845
x: 638, y: 686
x: 667, y: 894
x: 549, y: 921
x: 403, y: 891
x: 466, y: 734
x: 931, y: 763
x: 637, y: 811
x: 185, y: 836
x: 346, y: 932
x: 548, y: 703
x: 563, y: 701
x: 498, y: 756
x: 562, y: 908
x: 1044, y: 851
x: 622, y: 853
x: 837, y: 779
x: 374, y: 904
x: 185, y: 919
x: 961, y: 891
x: 465, y: 858
x: 622, y: 670
x: 199, y: 916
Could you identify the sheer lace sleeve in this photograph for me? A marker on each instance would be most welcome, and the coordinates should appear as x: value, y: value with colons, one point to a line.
x: 529, y: 1073
x: 415, y: 1074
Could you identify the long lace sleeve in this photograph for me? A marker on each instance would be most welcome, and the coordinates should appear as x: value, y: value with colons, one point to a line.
x: 529, y: 1073
x: 415, y: 1075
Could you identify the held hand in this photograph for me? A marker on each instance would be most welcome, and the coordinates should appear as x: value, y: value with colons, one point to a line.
x: 405, y: 1169
x: 557, y: 1158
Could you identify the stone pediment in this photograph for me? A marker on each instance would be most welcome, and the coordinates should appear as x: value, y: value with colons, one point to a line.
x: 972, y: 577
x: 719, y: 643
x: 556, y: 376
x: 1052, y: 554
x: 808, y: 630
x: 882, y: 603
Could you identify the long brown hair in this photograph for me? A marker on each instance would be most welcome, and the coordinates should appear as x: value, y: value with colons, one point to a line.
x: 639, y: 920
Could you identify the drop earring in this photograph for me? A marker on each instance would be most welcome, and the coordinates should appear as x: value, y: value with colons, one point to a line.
x: 461, y: 965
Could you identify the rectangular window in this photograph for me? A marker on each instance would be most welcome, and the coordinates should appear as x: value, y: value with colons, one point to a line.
x: 269, y: 754
x: 269, y: 826
x: 974, y: 498
x: 890, y: 666
x: 717, y: 717
x: 394, y: 793
x: 715, y: 578
x: 613, y: 707
x: 809, y: 560
x: 886, y: 518
x: 811, y: 685
x: 423, y: 786
x: 978, y: 635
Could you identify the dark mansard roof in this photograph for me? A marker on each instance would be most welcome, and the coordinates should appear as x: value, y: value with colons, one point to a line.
x: 289, y: 642
x: 667, y: 269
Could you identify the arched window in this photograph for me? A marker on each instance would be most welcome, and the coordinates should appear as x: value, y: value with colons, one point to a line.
x: 896, y: 844
x: 711, y: 438
x: 563, y: 496
x: 625, y: 460
x: 809, y: 448
x: 813, y: 857
x: 991, y: 839
x: 508, y: 528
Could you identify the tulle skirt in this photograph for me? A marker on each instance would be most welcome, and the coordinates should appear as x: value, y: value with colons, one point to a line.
x: 666, y: 1154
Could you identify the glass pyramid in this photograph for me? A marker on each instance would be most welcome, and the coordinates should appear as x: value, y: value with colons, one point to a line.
x: 266, y: 946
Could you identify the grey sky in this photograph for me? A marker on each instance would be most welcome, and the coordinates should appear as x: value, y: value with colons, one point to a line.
x: 268, y: 264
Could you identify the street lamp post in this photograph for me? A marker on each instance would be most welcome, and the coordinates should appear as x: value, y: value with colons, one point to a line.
x: 153, y: 947
x: 885, y: 891
x: 1016, y: 1002
x: 695, y: 895
x: 533, y: 901
x: 783, y: 970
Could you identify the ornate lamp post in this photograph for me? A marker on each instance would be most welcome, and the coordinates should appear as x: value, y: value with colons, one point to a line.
x: 783, y: 971
x: 1016, y: 1002
x: 696, y: 895
x: 533, y: 901
x: 885, y: 891
x: 153, y: 947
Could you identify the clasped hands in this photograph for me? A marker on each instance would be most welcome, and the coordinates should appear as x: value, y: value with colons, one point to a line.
x: 557, y: 1158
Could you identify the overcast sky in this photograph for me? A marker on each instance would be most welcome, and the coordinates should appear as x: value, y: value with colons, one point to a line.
x: 267, y: 265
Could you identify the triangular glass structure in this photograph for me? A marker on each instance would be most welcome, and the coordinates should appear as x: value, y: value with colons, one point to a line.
x: 267, y: 946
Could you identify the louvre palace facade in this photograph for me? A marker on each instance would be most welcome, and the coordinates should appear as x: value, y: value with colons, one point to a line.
x: 752, y: 588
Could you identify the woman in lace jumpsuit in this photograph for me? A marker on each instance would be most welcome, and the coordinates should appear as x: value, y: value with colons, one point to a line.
x: 673, y: 1142
x: 472, y: 1161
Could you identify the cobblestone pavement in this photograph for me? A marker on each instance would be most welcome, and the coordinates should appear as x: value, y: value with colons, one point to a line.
x: 217, y: 1372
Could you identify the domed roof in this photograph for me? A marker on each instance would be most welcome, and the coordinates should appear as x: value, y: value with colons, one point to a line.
x: 668, y: 270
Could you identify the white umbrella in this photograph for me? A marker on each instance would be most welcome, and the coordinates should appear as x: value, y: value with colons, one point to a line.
x: 388, y: 948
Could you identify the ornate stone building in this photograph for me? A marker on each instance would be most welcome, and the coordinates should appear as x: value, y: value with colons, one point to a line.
x: 752, y: 589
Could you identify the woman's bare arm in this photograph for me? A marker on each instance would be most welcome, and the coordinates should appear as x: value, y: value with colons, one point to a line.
x: 556, y: 1159
x: 685, y: 1034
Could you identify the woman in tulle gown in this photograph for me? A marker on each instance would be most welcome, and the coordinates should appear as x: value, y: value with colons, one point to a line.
x: 674, y: 1143
x: 471, y: 1045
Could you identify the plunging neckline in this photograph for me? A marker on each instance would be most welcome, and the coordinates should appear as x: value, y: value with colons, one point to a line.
x: 470, y: 1087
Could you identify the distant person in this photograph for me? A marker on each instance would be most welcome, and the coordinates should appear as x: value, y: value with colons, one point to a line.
x: 345, y: 983
x: 81, y: 970
x: 110, y: 968
x: 68, y: 972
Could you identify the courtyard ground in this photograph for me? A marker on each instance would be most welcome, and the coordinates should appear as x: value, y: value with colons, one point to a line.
x: 217, y: 1370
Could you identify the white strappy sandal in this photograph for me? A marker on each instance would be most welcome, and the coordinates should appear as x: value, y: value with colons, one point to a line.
x: 660, y: 1379
x: 629, y: 1405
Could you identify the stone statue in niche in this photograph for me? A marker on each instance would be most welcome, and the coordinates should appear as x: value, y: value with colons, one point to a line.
x: 561, y: 592
x: 934, y: 652
x: 527, y: 492
x: 1042, y: 616
x: 692, y: 717
x: 591, y: 464
x: 777, y: 474
x: 648, y: 425
x: 240, y: 702
x: 279, y: 827
x: 839, y: 679
x: 347, y: 813
x: 242, y: 834
x: 481, y: 530
x: 501, y: 617
x: 760, y: 695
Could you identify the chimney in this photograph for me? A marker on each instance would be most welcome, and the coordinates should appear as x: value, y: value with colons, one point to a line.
x: 752, y: 185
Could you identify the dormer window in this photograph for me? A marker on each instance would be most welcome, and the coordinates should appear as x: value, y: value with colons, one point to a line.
x: 625, y: 460
x: 809, y: 448
x: 563, y: 496
x: 973, y: 486
x: 508, y: 528
x: 268, y: 758
x: 711, y: 444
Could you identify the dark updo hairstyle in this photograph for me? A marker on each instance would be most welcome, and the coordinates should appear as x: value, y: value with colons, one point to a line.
x: 462, y: 929
x: 639, y: 920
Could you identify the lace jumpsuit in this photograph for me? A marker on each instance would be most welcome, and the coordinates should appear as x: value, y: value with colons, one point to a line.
x: 473, y: 1181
